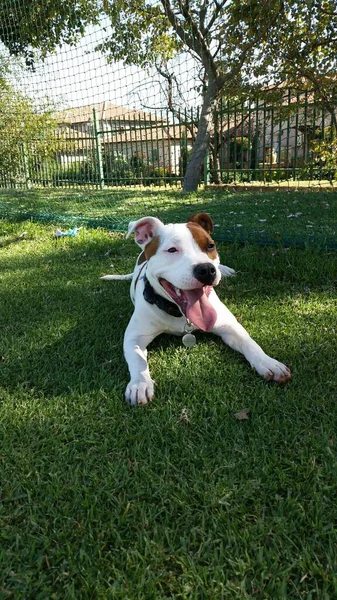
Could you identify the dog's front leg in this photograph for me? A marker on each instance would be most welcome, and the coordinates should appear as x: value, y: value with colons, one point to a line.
x: 140, y: 387
x: 233, y: 334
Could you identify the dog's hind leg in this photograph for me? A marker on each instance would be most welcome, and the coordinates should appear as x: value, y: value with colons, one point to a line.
x: 226, y: 271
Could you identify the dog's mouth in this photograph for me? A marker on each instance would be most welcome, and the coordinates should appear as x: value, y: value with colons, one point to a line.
x: 194, y: 304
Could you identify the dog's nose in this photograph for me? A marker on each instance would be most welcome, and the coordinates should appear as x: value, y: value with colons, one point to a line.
x: 205, y: 273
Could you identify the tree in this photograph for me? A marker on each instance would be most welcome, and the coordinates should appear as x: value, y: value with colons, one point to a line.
x: 303, y: 51
x: 224, y: 37
x: 34, y: 28
x: 27, y: 136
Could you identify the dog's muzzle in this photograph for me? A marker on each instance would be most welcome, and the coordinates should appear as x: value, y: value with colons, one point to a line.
x: 205, y: 273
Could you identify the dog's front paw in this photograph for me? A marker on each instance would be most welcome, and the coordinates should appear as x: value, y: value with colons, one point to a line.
x: 273, y: 370
x: 139, y: 392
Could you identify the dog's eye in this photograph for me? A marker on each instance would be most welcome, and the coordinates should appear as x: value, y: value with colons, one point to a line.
x: 172, y: 250
x: 210, y: 246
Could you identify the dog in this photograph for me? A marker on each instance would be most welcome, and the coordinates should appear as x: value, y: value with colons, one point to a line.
x: 172, y: 290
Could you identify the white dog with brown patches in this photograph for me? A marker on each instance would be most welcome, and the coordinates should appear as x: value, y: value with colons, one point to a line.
x: 173, y: 292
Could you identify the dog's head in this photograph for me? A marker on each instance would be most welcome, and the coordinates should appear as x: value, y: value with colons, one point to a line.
x: 182, y: 263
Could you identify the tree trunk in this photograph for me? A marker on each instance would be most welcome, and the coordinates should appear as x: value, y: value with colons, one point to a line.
x: 215, y: 168
x: 196, y: 162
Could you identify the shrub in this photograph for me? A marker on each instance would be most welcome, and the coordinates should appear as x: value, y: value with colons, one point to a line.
x: 156, y: 175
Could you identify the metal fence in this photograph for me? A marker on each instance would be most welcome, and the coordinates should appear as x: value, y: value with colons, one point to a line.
x: 277, y: 136
x: 281, y: 135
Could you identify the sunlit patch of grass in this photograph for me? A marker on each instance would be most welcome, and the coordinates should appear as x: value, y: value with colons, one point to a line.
x: 284, y: 216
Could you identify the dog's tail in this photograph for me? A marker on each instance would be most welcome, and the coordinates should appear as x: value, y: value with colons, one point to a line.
x: 118, y: 277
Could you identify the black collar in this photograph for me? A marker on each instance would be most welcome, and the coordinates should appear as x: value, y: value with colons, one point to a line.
x: 153, y: 298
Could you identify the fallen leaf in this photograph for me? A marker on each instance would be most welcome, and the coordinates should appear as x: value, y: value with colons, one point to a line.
x: 184, y: 418
x: 107, y: 365
x: 242, y: 415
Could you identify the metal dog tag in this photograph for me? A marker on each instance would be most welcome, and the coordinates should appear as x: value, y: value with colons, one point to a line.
x: 189, y: 340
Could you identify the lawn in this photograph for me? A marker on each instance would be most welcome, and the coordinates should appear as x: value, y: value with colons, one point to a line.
x: 296, y: 217
x: 178, y: 499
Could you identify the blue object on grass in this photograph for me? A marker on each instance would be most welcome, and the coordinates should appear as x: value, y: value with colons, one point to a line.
x: 70, y: 233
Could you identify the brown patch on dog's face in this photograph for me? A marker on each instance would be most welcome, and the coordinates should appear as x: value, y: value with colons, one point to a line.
x: 151, y: 248
x: 203, y: 239
x: 204, y: 220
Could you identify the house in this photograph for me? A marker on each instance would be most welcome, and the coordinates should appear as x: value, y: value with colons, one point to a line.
x: 273, y: 132
x: 133, y: 135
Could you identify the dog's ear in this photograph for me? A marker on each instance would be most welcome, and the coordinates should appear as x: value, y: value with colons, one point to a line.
x: 204, y: 220
x: 144, y: 229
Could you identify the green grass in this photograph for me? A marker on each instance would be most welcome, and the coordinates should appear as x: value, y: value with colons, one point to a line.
x: 177, y: 499
x: 292, y: 217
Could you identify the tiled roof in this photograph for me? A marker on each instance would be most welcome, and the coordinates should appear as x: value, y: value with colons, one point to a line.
x: 106, y: 111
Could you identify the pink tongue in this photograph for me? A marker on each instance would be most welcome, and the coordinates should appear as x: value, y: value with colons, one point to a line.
x: 199, y: 309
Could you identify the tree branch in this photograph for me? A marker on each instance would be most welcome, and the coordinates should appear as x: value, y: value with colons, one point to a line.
x: 219, y: 8
x: 195, y: 42
x: 170, y: 78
